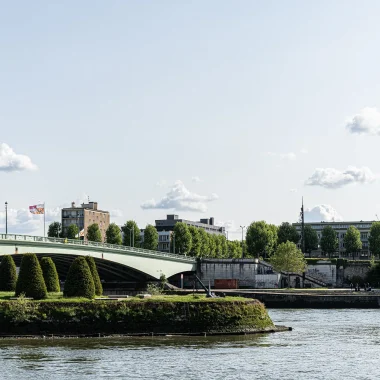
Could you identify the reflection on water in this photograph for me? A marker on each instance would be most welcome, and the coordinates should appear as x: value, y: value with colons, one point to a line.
x: 325, y: 344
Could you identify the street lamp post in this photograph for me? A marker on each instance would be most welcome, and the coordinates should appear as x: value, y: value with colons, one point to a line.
x: 6, y: 218
x: 242, y: 248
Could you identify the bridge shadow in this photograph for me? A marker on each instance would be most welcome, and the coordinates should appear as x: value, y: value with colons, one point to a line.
x: 113, y: 275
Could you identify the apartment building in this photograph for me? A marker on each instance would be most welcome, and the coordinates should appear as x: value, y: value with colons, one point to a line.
x: 85, y: 215
x: 341, y: 229
x: 165, y: 229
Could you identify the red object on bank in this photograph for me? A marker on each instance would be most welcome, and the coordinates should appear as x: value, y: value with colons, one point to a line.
x: 226, y: 284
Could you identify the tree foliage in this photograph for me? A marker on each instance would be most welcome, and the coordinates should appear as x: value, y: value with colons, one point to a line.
x: 311, y: 239
x: 287, y: 232
x: 50, y: 274
x: 329, y: 240
x: 261, y: 239
x: 54, y: 229
x: 234, y: 249
x: 374, y: 238
x: 30, y: 279
x: 79, y: 281
x: 93, y: 233
x: 196, y: 242
x: 352, y: 242
x: 150, y: 238
x: 182, y: 238
x: 131, y: 231
x: 288, y: 258
x: 204, y: 245
x: 95, y: 275
x: 113, y: 234
x: 72, y: 231
x: 8, y: 275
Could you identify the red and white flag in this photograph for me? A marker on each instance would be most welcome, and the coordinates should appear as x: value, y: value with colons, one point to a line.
x: 37, y: 209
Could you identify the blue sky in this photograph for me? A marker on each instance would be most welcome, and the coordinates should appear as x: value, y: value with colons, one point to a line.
x: 207, y: 108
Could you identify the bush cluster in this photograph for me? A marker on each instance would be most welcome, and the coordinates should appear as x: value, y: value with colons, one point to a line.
x: 30, y: 279
x: 8, y: 275
x: 50, y: 274
x: 95, y: 275
x: 79, y: 281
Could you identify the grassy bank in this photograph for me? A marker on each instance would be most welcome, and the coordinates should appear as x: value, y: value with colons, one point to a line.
x: 159, y: 314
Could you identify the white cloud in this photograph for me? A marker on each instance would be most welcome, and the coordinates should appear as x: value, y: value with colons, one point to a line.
x: 283, y: 156
x: 229, y: 225
x: 322, y: 213
x: 367, y: 121
x: 181, y: 199
x: 331, y: 178
x: 116, y: 213
x: 12, y: 162
x: 195, y: 179
x: 304, y: 151
x: 293, y: 190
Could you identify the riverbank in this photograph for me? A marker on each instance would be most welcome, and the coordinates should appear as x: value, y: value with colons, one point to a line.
x: 160, y: 315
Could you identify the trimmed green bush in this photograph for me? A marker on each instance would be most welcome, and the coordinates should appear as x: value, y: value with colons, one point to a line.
x: 50, y: 274
x: 8, y: 275
x: 95, y: 275
x: 30, y: 279
x: 79, y: 282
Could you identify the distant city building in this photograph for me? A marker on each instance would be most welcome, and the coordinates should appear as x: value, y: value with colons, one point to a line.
x: 165, y: 229
x: 84, y: 216
x: 341, y: 229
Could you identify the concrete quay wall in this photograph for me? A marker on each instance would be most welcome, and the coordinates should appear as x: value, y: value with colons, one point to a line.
x: 314, y: 301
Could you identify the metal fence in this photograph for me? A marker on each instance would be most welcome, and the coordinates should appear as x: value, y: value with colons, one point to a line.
x: 119, y: 248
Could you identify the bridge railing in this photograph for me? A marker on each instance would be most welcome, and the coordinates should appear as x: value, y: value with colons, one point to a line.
x: 64, y: 241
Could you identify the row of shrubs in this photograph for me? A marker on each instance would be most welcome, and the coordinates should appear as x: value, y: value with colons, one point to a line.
x: 36, y: 278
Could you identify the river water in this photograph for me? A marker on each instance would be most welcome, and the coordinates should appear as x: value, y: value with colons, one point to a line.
x: 324, y: 344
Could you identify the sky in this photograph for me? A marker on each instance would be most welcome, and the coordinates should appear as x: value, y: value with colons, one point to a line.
x: 231, y: 109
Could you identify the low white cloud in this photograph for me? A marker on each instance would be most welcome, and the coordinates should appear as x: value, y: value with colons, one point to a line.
x: 116, y: 213
x: 283, y: 156
x: 367, y: 121
x: 331, y: 178
x: 229, y: 225
x: 293, y: 190
x: 304, y: 151
x: 196, y: 179
x: 181, y: 199
x: 12, y: 162
x: 322, y: 213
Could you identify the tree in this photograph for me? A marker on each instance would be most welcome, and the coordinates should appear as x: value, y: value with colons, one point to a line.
x: 288, y: 258
x: 211, y: 246
x: 287, y: 232
x: 204, y: 243
x: 50, y: 274
x: 93, y: 233
x: 150, y: 238
x: 54, y: 229
x: 131, y: 234
x: 329, y: 240
x: 374, y: 239
x: 234, y: 249
x: 352, y: 242
x: 311, y: 239
x: 113, y: 234
x: 72, y: 231
x: 8, y: 275
x: 30, y: 279
x: 196, y: 241
x: 222, y: 244
x: 182, y: 238
x: 79, y: 281
x: 95, y: 275
x: 261, y: 239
